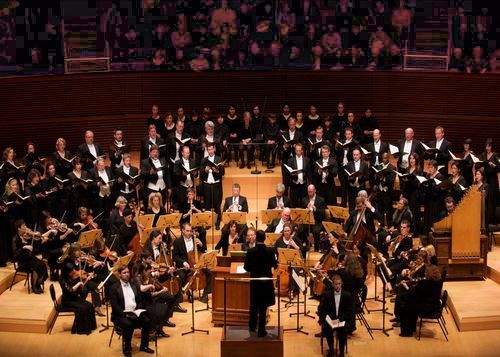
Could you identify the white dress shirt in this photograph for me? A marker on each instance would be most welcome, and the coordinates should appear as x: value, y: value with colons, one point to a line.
x: 323, y: 172
x: 160, y: 183
x: 210, y: 139
x: 126, y: 170
x: 92, y: 150
x: 189, y: 179
x: 129, y: 297
x: 336, y: 296
x: 189, y: 244
x: 177, y: 146
x: 346, y: 150
x: 407, y: 151
x: 300, y: 166
x: 236, y: 204
x: 279, y: 227
x: 120, y: 164
x: 104, y: 189
x: 211, y: 178
x: 376, y: 144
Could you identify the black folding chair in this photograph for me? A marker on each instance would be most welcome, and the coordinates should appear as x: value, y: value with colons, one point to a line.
x: 20, y: 271
x: 60, y: 310
x: 437, y: 316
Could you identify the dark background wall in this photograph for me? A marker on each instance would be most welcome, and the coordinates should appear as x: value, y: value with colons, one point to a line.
x: 44, y: 108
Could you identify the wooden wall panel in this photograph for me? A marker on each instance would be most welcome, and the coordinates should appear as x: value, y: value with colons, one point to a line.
x: 44, y: 108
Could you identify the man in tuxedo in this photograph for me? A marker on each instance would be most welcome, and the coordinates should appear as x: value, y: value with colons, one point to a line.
x: 358, y: 181
x: 401, y: 245
x: 279, y: 201
x: 300, y: 179
x: 289, y: 139
x: 259, y: 262
x: 154, y: 171
x: 276, y: 225
x: 315, y: 204
x: 89, y: 152
x: 116, y: 150
x: 153, y: 139
x: 183, y: 179
x: 211, y: 177
x: 344, y: 155
x: 324, y: 171
x: 407, y: 146
x: 182, y: 247
x: 316, y: 143
x: 444, y: 147
x: 383, y: 183
x: 103, y: 181
x: 377, y: 148
x: 177, y: 140
x: 126, y: 297
x: 338, y: 304
x: 370, y: 216
x: 235, y: 203
x: 125, y: 183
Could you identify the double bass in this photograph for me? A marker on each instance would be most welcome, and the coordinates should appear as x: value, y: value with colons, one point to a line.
x: 135, y: 243
x: 200, y: 281
x: 359, y: 232
x: 162, y: 262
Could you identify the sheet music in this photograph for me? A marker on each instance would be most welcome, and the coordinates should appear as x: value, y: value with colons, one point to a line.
x: 240, y: 269
x: 298, y: 281
x: 334, y: 325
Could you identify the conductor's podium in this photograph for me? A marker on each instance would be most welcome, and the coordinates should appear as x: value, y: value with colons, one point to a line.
x: 237, y: 341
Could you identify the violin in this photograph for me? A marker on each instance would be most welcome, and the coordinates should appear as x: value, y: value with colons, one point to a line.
x: 109, y: 254
x: 27, y: 234
x: 55, y: 224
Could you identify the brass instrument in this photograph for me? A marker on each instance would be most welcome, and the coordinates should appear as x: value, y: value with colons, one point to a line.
x: 64, y: 255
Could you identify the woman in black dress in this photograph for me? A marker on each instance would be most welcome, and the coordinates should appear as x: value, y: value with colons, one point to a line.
x: 116, y: 215
x: 410, y: 189
x: 57, y: 191
x: 12, y: 208
x: 37, y: 197
x: 434, y: 196
x: 457, y: 191
x: 233, y: 123
x: 155, y: 206
x: 491, y: 172
x: 231, y: 236
x: 169, y: 125
x: 24, y: 255
x: 74, y: 297
x: 80, y: 188
x: 62, y: 158
x: 31, y: 160
x: 151, y: 290
x: 9, y: 168
x: 246, y: 134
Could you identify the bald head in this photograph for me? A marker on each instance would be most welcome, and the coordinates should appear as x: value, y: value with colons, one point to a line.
x: 376, y: 135
x: 409, y: 134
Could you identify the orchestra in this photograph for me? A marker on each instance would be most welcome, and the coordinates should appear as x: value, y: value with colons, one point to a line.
x: 48, y: 204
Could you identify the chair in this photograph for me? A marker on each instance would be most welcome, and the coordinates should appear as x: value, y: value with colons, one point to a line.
x: 438, y: 316
x: 336, y: 342
x: 27, y: 273
x: 118, y: 331
x: 60, y: 310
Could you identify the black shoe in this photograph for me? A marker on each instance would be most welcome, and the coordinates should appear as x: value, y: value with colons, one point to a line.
x: 217, y: 226
x: 249, y: 166
x: 317, y: 334
x: 242, y: 165
x: 251, y: 329
x: 162, y: 333
x: 396, y: 324
x: 262, y: 333
x: 127, y: 353
x: 394, y: 320
x: 272, y: 166
x: 405, y: 335
x: 179, y: 308
x: 169, y: 324
x: 146, y: 349
x: 54, y: 276
x: 37, y: 290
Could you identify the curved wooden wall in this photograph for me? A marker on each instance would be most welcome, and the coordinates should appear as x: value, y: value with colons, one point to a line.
x: 43, y: 108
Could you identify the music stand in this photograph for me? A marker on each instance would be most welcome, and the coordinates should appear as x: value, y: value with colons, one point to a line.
x: 238, y: 247
x: 87, y: 239
x: 301, y: 216
x: 303, y: 288
x: 271, y: 238
x: 339, y: 212
x: 204, y: 219
x: 335, y: 227
x: 146, y: 220
x: 382, y: 273
x: 291, y: 259
x: 268, y: 215
x: 238, y: 217
x: 168, y: 221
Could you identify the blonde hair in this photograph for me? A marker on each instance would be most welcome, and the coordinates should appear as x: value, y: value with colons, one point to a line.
x: 8, y: 191
x: 152, y: 195
x: 120, y: 200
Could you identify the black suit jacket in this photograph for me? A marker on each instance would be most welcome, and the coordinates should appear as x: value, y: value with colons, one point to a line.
x: 332, y: 172
x: 118, y: 301
x: 406, y: 244
x: 320, y: 204
x: 288, y: 152
x: 443, y: 156
x: 114, y: 157
x: 363, y: 167
x: 217, y: 176
x: 346, y: 309
x: 145, y: 147
x: 147, y: 165
x: 171, y: 143
x: 180, y: 254
x: 416, y: 147
x: 306, y: 166
x: 242, y: 201
x: 86, y: 157
x: 340, y: 152
x: 179, y: 171
x: 94, y: 175
x: 272, y: 202
x: 384, y: 147
x: 259, y: 262
x: 119, y: 173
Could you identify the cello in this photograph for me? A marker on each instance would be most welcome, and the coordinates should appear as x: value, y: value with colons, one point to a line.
x: 135, y: 243
x: 200, y: 278
x: 359, y: 232
x: 172, y: 284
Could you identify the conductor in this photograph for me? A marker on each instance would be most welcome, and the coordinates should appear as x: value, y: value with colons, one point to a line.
x: 258, y: 262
